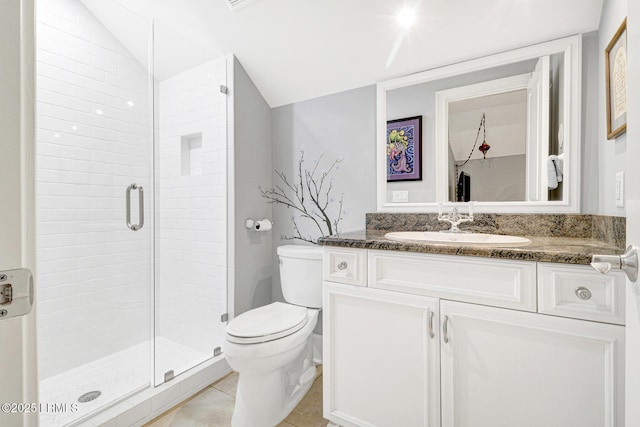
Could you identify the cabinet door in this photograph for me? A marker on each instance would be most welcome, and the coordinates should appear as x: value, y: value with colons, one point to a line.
x: 381, y: 358
x: 504, y: 368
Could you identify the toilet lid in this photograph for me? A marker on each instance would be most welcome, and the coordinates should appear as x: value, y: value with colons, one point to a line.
x: 266, y: 323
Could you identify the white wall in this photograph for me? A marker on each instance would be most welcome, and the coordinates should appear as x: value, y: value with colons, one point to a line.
x: 93, y: 272
x: 191, y: 228
x: 488, y: 181
x: 506, y: 130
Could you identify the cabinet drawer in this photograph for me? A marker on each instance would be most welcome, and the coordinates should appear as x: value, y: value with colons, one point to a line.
x: 345, y: 266
x: 581, y: 292
x: 509, y: 284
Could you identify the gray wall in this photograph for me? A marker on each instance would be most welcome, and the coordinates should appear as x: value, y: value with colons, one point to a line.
x: 253, y: 168
x: 590, y: 182
x: 339, y: 125
x: 601, y: 158
x: 343, y: 125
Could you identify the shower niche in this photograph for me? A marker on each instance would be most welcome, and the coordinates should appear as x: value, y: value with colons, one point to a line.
x: 191, y: 152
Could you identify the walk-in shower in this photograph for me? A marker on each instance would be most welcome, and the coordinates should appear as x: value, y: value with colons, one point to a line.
x: 131, y: 204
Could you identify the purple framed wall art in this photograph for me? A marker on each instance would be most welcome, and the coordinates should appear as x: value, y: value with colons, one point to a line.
x: 404, y: 147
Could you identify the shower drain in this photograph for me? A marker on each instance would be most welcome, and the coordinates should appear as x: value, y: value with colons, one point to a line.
x: 88, y: 397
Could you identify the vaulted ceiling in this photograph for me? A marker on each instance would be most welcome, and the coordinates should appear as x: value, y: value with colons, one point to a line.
x: 300, y: 49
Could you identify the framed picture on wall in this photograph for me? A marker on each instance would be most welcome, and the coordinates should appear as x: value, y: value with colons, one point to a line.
x: 615, y: 63
x: 404, y: 149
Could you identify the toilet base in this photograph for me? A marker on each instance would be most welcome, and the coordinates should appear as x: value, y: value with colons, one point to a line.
x: 266, y: 399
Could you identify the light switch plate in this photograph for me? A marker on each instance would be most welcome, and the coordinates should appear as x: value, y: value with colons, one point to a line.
x: 620, y: 189
x: 400, y: 196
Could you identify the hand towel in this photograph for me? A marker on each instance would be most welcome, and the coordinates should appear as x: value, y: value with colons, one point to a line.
x: 554, y: 171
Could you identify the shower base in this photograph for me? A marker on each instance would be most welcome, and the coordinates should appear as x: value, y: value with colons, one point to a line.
x: 117, y: 377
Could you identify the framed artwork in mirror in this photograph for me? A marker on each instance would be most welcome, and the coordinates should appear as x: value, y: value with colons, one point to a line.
x: 404, y: 149
x: 616, y: 82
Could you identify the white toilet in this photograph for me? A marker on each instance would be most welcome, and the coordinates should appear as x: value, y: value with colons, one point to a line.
x: 271, y: 346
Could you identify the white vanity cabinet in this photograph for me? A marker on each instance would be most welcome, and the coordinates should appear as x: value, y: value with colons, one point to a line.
x: 465, y: 342
x: 381, y: 357
x: 511, y: 368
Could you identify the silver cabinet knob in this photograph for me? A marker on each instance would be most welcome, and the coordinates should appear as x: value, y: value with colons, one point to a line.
x: 583, y: 293
x: 342, y: 266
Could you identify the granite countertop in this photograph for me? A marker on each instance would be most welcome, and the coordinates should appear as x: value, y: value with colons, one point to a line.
x: 565, y: 250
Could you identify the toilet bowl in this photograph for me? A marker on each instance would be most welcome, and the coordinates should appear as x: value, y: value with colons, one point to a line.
x: 271, y: 347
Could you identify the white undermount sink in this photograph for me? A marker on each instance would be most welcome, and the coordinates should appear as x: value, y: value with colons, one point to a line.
x: 457, y: 239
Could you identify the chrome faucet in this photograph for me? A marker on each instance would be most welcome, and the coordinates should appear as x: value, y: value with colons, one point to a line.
x: 454, y: 218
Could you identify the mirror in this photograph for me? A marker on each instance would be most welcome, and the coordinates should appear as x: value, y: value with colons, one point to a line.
x: 501, y: 130
x: 477, y: 170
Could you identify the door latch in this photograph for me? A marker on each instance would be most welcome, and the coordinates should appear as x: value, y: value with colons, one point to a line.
x: 16, y: 293
x: 6, y: 294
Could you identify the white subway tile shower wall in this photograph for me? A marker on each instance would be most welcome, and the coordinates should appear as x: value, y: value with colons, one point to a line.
x: 192, y: 215
x: 94, y: 139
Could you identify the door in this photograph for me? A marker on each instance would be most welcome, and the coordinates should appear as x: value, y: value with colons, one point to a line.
x: 504, y: 368
x: 18, y: 379
x: 190, y: 182
x: 633, y: 211
x: 94, y: 193
x: 383, y: 366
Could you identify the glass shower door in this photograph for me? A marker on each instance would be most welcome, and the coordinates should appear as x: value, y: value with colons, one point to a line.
x: 94, y: 232
x: 191, y: 203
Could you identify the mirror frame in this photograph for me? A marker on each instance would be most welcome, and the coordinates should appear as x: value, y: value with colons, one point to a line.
x: 572, y: 95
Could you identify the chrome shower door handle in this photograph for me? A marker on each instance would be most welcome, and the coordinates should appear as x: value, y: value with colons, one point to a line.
x: 140, y: 224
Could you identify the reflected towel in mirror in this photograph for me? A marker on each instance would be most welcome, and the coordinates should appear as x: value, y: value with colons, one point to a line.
x: 554, y: 171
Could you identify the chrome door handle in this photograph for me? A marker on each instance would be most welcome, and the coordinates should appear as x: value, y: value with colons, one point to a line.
x: 431, y: 332
x: 140, y: 224
x: 445, y: 330
x: 627, y: 262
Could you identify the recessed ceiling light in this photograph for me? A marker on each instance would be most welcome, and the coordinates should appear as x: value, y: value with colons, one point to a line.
x: 57, y: 135
x: 74, y: 127
x: 130, y: 103
x: 407, y: 17
x: 99, y: 112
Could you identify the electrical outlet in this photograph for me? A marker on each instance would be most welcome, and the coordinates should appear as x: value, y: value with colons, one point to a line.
x: 620, y: 189
x: 400, y: 196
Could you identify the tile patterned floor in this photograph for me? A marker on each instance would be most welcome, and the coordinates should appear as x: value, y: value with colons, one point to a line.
x: 213, y: 407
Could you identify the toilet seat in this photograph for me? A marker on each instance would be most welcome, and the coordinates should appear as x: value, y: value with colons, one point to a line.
x: 267, y: 323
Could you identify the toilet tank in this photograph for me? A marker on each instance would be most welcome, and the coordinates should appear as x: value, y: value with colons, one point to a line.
x: 301, y: 274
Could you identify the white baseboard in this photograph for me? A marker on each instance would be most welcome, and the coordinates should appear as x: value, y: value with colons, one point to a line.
x: 317, y: 349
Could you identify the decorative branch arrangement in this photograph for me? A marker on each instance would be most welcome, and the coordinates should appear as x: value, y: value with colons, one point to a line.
x: 310, y: 197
